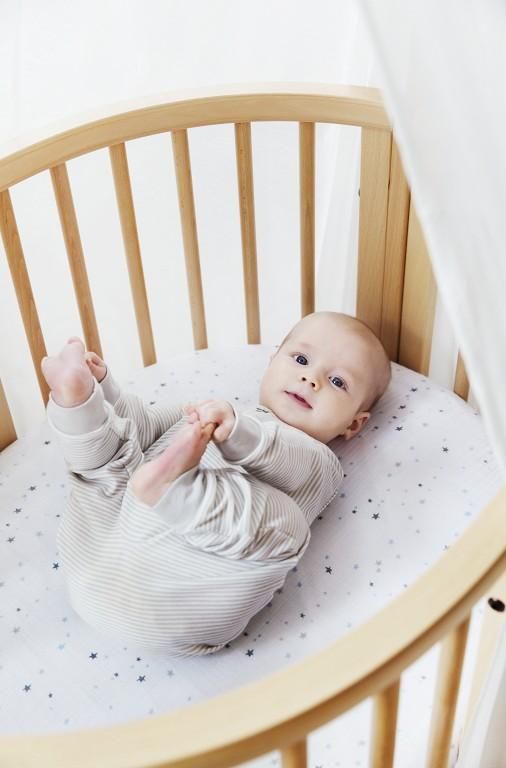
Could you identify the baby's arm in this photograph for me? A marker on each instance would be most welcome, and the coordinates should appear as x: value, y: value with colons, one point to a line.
x: 151, y: 420
x: 287, y: 459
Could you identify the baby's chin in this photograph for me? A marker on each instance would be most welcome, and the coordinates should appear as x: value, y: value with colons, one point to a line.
x: 292, y: 414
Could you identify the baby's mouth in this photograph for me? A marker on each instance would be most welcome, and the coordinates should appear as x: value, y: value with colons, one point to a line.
x: 298, y: 399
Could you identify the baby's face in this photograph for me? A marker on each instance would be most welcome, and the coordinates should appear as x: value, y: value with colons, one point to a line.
x: 327, y: 364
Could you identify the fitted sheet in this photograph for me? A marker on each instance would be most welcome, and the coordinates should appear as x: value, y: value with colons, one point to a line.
x: 415, y: 477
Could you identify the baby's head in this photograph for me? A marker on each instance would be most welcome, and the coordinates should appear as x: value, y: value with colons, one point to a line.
x: 337, y: 365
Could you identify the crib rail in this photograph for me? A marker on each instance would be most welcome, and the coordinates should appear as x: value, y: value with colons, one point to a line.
x: 306, y: 103
x: 396, y: 291
x: 279, y: 711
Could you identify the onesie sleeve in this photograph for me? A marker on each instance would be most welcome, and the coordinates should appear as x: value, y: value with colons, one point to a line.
x: 151, y: 420
x: 287, y: 458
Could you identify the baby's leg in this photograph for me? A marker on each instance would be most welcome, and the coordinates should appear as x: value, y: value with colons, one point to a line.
x: 91, y: 434
x: 151, y: 420
x: 150, y: 481
x: 220, y: 510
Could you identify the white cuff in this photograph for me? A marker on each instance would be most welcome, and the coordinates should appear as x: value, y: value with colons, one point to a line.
x: 110, y: 388
x: 246, y: 435
x: 78, y: 419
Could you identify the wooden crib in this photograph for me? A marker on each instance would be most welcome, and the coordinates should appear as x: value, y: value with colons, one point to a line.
x: 396, y: 297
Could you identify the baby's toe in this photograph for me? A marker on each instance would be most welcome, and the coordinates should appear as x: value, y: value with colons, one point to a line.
x: 73, y: 351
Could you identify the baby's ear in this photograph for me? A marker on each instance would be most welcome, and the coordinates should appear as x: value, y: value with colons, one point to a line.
x: 356, y: 425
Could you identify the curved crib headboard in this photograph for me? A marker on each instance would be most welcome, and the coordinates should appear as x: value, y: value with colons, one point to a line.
x: 396, y: 297
x: 396, y: 292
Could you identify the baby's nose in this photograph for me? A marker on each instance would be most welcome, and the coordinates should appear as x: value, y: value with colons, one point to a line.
x: 313, y: 381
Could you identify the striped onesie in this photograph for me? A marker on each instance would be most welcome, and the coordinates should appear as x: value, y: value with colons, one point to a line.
x: 186, y: 575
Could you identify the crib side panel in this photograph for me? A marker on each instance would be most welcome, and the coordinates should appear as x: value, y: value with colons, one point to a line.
x: 396, y: 291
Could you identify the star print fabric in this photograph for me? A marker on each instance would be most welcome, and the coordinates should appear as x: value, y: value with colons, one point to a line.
x: 404, y: 501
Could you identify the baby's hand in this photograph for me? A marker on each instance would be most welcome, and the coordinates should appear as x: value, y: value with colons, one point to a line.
x: 96, y: 365
x: 218, y: 412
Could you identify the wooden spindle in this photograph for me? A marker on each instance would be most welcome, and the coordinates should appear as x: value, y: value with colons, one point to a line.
x: 492, y: 625
x: 374, y: 178
x: 23, y: 288
x: 295, y: 756
x: 418, y: 303
x: 190, y: 240
x: 395, y: 254
x: 71, y: 236
x: 451, y: 660
x: 248, y: 235
x: 307, y: 217
x: 384, y: 726
x: 124, y: 197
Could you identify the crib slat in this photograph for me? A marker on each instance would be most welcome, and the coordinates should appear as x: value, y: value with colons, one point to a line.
x: 295, y: 756
x: 123, y: 188
x: 190, y: 241
x: 385, y: 721
x: 23, y: 288
x: 7, y: 430
x: 248, y: 235
x: 492, y: 625
x: 68, y: 220
x: 419, y: 301
x: 307, y: 217
x: 396, y: 237
x: 374, y: 178
x: 461, y: 383
x: 451, y: 660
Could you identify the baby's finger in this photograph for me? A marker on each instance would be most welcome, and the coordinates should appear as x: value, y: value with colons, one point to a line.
x: 191, y: 412
x: 92, y: 357
x: 208, y: 430
x: 218, y: 434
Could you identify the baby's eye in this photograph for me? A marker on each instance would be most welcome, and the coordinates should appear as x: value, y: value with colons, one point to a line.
x: 337, y: 381
x: 301, y: 359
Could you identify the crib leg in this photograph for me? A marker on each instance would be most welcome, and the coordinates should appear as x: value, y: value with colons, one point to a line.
x: 491, y: 627
x: 451, y: 661
x: 295, y: 756
x: 385, y: 721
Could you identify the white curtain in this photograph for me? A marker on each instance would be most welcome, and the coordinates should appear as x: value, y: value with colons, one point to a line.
x: 442, y: 70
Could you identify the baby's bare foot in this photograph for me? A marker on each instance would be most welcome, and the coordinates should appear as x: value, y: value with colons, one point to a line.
x: 68, y: 375
x: 150, y: 481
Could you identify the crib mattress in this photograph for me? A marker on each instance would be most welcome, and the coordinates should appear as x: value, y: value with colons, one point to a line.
x: 415, y: 477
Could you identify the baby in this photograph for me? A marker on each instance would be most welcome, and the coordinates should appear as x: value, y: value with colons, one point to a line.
x: 183, y: 521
